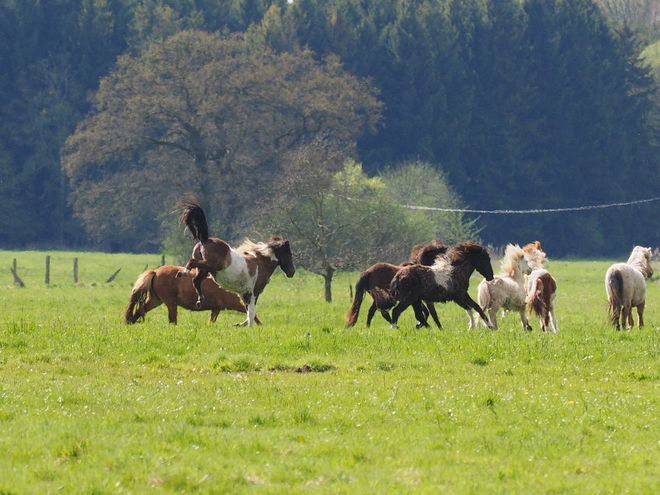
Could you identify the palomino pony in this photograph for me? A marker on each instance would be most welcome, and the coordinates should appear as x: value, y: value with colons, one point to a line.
x: 541, y: 288
x: 161, y: 286
x: 447, y: 279
x: 379, y: 276
x: 245, y: 270
x: 626, y: 289
x: 506, y: 290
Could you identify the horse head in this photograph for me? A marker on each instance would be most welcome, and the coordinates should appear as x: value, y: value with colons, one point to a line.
x: 534, y: 255
x: 641, y: 259
x: 476, y: 255
x: 282, y: 251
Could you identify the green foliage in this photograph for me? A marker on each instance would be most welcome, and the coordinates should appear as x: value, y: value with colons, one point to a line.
x: 91, y: 405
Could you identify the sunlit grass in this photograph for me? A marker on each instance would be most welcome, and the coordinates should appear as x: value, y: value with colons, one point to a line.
x: 300, y: 404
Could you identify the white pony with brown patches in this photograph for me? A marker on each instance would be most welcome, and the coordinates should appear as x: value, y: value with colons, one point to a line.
x: 541, y: 288
x: 506, y: 290
x: 626, y: 288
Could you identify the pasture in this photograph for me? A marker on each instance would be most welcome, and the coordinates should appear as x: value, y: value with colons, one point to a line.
x: 90, y: 405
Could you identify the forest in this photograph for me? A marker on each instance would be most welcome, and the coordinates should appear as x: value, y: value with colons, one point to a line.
x: 112, y: 110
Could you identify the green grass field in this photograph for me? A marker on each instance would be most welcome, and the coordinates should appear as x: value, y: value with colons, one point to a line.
x: 90, y: 405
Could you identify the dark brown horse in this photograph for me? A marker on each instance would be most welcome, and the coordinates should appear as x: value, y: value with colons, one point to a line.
x: 447, y: 280
x: 245, y: 270
x: 161, y: 286
x: 379, y: 277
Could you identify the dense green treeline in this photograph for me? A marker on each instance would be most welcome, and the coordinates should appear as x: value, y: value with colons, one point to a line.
x: 539, y: 104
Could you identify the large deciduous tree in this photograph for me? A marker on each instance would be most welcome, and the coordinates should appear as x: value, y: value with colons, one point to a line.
x: 206, y: 114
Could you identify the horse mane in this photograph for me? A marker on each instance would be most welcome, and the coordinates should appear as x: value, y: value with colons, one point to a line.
x: 512, y: 254
x: 426, y: 252
x: 248, y: 247
x: 535, y: 256
x: 461, y: 252
x: 640, y: 258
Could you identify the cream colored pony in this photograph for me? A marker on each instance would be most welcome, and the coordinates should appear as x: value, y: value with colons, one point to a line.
x: 626, y: 288
x: 541, y: 288
x: 506, y: 290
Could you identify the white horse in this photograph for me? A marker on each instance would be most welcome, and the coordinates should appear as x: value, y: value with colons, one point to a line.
x: 626, y: 289
x: 506, y: 290
x: 541, y: 288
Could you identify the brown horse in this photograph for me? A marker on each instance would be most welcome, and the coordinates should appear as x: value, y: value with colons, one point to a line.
x: 245, y: 270
x: 379, y: 277
x: 447, y: 280
x: 541, y: 288
x: 161, y: 286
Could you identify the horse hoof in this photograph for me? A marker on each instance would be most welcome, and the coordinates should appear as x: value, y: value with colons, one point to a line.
x: 198, y: 305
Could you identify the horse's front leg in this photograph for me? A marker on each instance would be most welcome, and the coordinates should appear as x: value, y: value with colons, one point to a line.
x: 250, y: 302
x: 434, y: 314
x: 420, y: 314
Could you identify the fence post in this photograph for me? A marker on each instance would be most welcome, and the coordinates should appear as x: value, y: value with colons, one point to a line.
x: 75, y: 270
x: 47, y: 280
x: 17, y: 279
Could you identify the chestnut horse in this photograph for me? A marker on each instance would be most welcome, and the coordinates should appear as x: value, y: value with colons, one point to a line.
x: 541, y: 288
x: 379, y: 276
x: 447, y: 280
x: 626, y: 289
x: 245, y: 270
x: 161, y: 286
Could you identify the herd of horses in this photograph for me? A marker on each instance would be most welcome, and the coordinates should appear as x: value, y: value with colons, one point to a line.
x: 219, y: 277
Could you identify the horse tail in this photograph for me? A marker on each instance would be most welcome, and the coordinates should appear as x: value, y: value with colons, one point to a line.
x: 192, y: 215
x: 483, y: 295
x: 536, y: 300
x: 361, y: 287
x: 141, y: 290
x: 614, y: 286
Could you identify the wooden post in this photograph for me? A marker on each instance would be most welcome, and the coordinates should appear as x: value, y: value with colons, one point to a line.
x: 17, y: 279
x: 162, y: 260
x: 47, y: 280
x: 75, y: 270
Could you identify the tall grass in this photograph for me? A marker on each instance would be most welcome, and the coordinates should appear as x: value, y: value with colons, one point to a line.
x: 91, y: 405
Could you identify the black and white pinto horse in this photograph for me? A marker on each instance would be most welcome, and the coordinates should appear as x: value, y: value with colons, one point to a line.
x: 245, y: 270
x: 447, y: 279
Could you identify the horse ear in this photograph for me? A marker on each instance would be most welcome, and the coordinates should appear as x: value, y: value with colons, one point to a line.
x: 538, y: 245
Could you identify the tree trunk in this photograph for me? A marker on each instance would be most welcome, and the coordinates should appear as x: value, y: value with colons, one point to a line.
x: 329, y: 272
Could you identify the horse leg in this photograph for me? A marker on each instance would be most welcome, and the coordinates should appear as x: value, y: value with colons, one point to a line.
x: 524, y: 321
x: 472, y: 325
x: 214, y: 315
x: 640, y: 314
x: 420, y: 315
x: 467, y: 303
x: 172, y: 312
x: 197, y: 283
x: 250, y: 302
x: 434, y: 314
x: 371, y: 313
x: 553, y: 318
x: 396, y: 312
x: 386, y: 314
x: 626, y: 317
x: 492, y: 318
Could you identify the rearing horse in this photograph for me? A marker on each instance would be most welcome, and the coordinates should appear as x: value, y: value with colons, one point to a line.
x: 245, y: 270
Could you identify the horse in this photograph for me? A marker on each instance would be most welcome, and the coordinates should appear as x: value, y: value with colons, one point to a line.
x: 379, y: 276
x: 541, y: 288
x: 626, y: 289
x: 245, y: 270
x: 161, y: 286
x: 506, y: 290
x: 447, y: 279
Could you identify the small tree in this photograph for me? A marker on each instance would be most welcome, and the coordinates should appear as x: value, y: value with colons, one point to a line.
x: 336, y: 217
x: 417, y: 183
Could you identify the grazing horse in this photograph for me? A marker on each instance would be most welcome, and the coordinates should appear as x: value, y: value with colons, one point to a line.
x: 379, y: 276
x: 626, y: 289
x: 506, y: 290
x: 245, y: 270
x: 541, y: 288
x: 447, y: 279
x: 161, y: 286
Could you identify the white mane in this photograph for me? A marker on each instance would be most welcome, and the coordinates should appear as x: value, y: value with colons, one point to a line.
x: 511, y: 263
x: 640, y: 258
x: 249, y: 247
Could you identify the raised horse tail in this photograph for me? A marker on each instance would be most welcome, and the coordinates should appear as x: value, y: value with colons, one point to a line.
x: 141, y: 291
x: 192, y: 215
x: 536, y: 301
x: 614, y: 294
x: 360, y: 288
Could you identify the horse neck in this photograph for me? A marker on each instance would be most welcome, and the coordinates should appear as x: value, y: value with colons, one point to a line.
x: 461, y: 274
x: 639, y: 265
